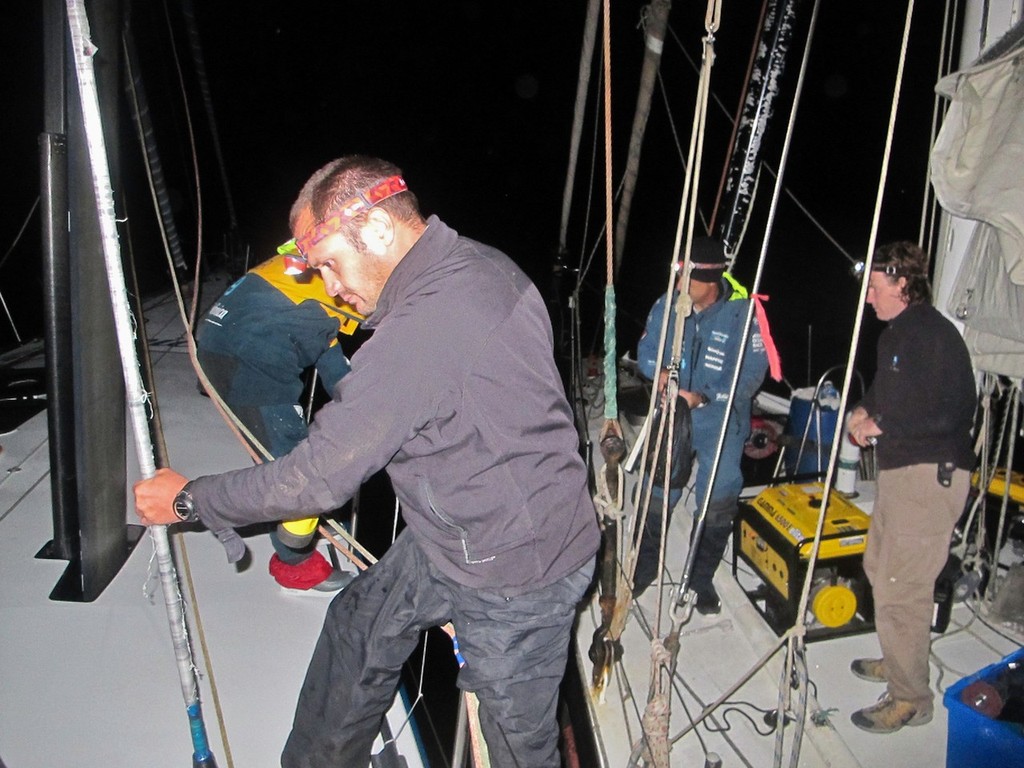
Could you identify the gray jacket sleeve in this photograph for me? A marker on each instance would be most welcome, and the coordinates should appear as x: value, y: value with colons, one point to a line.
x: 378, y: 407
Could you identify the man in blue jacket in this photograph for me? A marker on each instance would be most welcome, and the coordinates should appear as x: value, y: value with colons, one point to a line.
x: 255, y: 344
x: 482, y: 452
x: 711, y: 339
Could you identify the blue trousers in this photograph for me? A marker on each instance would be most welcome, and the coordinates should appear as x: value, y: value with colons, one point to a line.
x: 515, y: 650
x: 718, y: 522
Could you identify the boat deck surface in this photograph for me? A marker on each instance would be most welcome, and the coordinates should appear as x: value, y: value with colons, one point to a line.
x: 94, y: 684
x: 734, y: 648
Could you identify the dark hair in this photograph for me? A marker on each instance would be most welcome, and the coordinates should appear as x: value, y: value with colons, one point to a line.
x: 347, y: 177
x: 908, y: 260
x: 305, y: 198
x: 343, y: 179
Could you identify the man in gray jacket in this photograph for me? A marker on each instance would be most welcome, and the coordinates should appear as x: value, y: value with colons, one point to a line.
x: 457, y: 396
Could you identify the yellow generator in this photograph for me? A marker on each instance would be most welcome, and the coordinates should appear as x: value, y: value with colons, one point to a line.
x: 774, y: 533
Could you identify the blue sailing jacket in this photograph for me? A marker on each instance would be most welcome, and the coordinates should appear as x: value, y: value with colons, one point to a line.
x: 711, y: 342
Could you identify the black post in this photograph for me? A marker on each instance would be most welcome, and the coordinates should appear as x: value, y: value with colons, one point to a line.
x: 94, y: 422
x: 60, y: 414
x: 53, y: 158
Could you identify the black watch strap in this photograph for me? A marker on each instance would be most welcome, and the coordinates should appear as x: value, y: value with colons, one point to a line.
x: 185, y: 505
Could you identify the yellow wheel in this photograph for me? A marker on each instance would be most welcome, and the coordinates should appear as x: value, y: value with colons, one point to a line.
x: 834, y: 606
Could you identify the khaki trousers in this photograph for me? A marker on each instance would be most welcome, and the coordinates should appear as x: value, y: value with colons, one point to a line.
x: 908, y: 544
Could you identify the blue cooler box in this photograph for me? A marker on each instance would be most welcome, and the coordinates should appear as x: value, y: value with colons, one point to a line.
x: 974, y: 740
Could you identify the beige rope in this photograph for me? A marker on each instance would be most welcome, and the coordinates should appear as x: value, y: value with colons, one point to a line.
x: 201, y: 634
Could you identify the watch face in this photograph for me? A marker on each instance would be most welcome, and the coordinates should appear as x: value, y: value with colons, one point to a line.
x: 184, y: 507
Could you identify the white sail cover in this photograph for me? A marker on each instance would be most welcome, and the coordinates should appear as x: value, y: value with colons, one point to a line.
x: 977, y: 168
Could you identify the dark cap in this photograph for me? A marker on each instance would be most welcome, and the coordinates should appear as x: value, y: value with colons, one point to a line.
x: 707, y: 260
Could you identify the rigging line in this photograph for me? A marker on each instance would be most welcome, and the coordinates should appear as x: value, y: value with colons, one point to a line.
x: 1013, y: 406
x: 800, y: 712
x: 10, y: 319
x: 195, y: 167
x: 622, y: 681
x: 394, y: 521
x: 253, y: 447
x: 611, y: 405
x: 586, y: 259
x: 675, y: 138
x: 986, y: 472
x: 133, y: 93
x: 929, y: 204
x: 591, y: 255
x: 582, y: 87
x: 811, y: 217
x: 796, y: 641
x: 197, y: 616
x: 160, y: 448
x: 798, y: 629
x: 606, y: 43
x: 17, y: 239
x: 21, y: 231
x: 683, y: 302
x: 764, y: 165
x: 796, y: 632
x: 590, y: 199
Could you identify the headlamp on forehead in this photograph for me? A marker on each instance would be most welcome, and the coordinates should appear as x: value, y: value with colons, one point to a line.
x: 889, y: 270
x: 297, y: 249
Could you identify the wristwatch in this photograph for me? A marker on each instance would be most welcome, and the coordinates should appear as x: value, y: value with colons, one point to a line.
x: 185, y: 505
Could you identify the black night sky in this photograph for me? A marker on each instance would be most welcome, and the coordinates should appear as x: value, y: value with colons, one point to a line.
x: 474, y: 100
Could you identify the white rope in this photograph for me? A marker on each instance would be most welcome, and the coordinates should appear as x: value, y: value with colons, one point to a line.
x: 796, y: 642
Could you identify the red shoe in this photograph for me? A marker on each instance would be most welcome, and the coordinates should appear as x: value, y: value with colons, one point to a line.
x: 306, y: 575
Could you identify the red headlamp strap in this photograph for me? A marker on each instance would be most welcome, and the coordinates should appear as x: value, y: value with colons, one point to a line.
x: 389, y: 187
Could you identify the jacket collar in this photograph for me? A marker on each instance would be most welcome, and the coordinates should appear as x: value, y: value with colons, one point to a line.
x: 434, y: 244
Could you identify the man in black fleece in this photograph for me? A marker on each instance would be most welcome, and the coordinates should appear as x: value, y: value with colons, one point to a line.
x: 457, y: 396
x: 918, y: 412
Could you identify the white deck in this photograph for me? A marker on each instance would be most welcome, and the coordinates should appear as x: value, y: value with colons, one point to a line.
x: 94, y: 684
x: 717, y: 652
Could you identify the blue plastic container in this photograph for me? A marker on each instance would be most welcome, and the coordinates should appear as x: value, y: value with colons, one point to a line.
x: 802, y: 410
x: 974, y: 740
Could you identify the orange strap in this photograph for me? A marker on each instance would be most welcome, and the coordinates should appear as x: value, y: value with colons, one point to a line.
x: 774, y: 361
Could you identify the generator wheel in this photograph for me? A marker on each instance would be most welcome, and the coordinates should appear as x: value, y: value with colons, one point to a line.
x: 834, y: 606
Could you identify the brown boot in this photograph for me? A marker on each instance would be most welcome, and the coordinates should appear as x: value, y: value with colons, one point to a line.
x: 888, y: 715
x: 872, y: 670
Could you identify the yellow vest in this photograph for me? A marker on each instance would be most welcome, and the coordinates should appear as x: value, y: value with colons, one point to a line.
x: 739, y: 291
x: 305, y: 287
